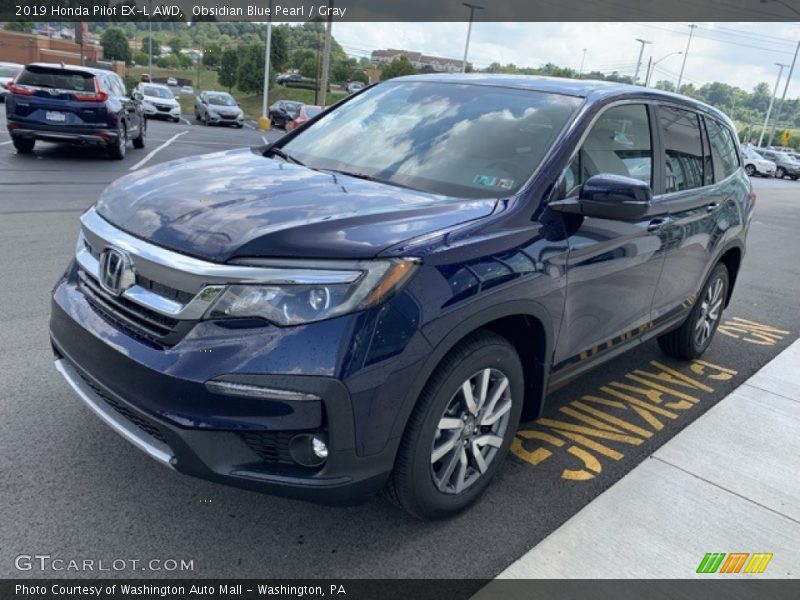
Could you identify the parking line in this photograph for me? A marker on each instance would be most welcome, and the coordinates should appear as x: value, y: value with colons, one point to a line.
x: 265, y: 139
x: 185, y: 121
x: 5, y: 143
x: 249, y: 126
x: 157, y: 150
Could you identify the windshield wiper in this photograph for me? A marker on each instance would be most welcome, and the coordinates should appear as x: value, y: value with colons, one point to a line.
x: 284, y: 155
x: 367, y: 177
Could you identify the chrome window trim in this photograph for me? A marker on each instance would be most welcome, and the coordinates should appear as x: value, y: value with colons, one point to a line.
x: 144, y: 442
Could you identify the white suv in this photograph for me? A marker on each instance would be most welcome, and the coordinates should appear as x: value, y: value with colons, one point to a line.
x: 158, y: 101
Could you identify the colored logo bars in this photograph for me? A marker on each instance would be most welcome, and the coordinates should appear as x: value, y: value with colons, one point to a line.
x: 737, y: 562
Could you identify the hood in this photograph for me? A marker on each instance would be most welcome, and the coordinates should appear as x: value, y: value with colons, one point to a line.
x: 238, y: 203
x: 159, y: 100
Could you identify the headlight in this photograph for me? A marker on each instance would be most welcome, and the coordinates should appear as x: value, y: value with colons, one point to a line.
x: 308, y: 295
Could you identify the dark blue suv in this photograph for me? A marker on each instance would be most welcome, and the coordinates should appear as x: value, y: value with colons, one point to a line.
x: 75, y: 105
x: 377, y: 299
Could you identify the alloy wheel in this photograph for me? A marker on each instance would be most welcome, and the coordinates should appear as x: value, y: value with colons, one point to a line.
x: 470, y: 431
x: 710, y: 311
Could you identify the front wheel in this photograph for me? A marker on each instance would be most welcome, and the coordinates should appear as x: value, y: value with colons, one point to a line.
x: 461, y: 428
x: 780, y: 173
x: 750, y: 170
x: 694, y: 337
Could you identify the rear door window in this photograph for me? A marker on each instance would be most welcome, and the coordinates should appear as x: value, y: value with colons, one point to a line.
x: 683, y: 149
x: 723, y: 149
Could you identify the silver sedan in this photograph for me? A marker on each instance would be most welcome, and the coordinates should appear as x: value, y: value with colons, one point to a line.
x: 218, y: 108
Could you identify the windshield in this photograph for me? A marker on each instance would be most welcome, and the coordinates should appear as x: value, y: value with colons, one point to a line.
x: 157, y: 92
x: 462, y: 140
x: 220, y: 100
x: 6, y: 71
x: 312, y: 111
x: 750, y: 153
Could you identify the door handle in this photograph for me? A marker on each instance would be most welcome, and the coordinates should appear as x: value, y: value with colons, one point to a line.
x: 658, y: 223
x: 712, y: 206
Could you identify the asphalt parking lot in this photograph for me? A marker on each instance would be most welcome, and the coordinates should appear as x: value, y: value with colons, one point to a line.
x: 73, y: 489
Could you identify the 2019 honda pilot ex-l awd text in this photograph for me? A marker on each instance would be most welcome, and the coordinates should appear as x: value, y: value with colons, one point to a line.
x: 73, y: 105
x: 375, y: 300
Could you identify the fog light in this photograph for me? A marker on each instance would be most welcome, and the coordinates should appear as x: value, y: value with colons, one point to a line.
x: 309, y: 450
x: 320, y: 447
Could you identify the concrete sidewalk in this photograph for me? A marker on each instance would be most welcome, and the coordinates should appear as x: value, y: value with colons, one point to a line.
x: 729, y: 482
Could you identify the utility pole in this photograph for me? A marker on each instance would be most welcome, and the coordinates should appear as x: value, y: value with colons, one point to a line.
x: 326, y: 57
x: 771, y: 101
x: 150, y: 42
x: 472, y: 8
x: 263, y: 121
x: 639, y: 60
x: 692, y: 27
x: 583, y: 59
x: 783, y: 96
x: 650, y: 70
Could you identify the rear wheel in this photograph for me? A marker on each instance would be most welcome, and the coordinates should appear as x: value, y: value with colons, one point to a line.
x: 117, y: 150
x: 461, y: 429
x: 780, y: 173
x: 139, y: 140
x: 694, y: 337
x: 24, y: 145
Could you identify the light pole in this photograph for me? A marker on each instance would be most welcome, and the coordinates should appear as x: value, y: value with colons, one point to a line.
x: 783, y: 96
x: 692, y: 27
x: 639, y: 60
x: 653, y: 67
x: 583, y: 59
x: 472, y: 8
x: 771, y: 101
x: 263, y: 121
x: 150, y: 42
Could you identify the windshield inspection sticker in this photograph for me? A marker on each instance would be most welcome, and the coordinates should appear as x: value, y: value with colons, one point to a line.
x: 490, y: 181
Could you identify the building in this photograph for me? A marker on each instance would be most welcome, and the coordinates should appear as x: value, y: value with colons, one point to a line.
x: 420, y: 61
x: 25, y: 48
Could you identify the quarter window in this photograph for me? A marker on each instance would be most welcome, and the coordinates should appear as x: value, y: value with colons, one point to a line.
x: 723, y: 149
x: 618, y: 143
x: 683, y: 148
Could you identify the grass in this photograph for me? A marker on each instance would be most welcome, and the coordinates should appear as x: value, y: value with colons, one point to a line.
x: 250, y: 103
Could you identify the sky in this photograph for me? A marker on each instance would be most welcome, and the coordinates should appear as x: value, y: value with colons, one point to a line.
x: 740, y: 54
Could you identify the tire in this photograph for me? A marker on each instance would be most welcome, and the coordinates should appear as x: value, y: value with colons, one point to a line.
x: 750, y: 170
x: 780, y: 173
x: 176, y: 120
x: 689, y: 341
x: 429, y: 488
x: 196, y: 115
x: 139, y: 140
x: 117, y: 150
x: 24, y: 146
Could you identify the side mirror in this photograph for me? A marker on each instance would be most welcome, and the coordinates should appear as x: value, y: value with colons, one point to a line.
x: 137, y: 95
x: 608, y: 196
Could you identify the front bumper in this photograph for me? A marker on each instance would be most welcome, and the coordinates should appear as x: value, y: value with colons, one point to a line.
x: 220, y: 120
x: 152, y: 111
x: 157, y: 401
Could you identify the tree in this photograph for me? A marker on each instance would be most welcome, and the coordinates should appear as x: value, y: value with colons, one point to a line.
x: 212, y: 54
x: 140, y: 58
x: 309, y: 68
x: 146, y: 45
x: 397, y: 68
x: 177, y: 44
x: 19, y: 26
x: 228, y: 68
x: 251, y: 69
x: 115, y: 45
x: 279, y: 49
x: 665, y: 85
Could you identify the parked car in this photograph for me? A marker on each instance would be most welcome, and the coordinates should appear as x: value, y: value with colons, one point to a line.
x: 144, y: 78
x: 158, y: 101
x: 755, y: 164
x: 329, y: 317
x: 306, y: 112
x: 187, y: 90
x: 75, y: 105
x: 218, y: 108
x: 287, y: 77
x: 354, y: 86
x: 172, y: 81
x: 284, y: 111
x: 8, y: 71
x: 785, y: 164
